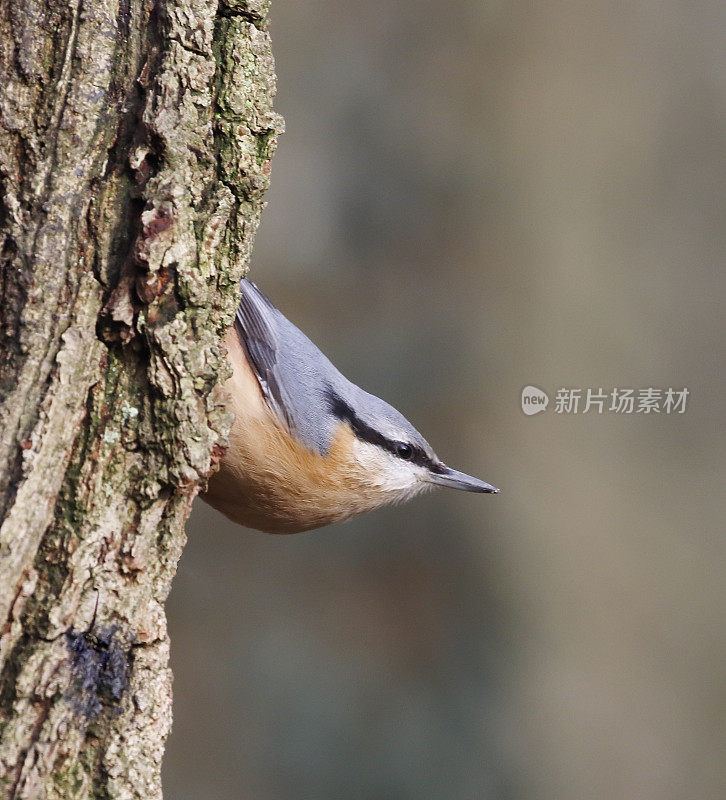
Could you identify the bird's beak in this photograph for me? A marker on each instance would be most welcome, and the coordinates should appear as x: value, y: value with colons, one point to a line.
x: 458, y: 480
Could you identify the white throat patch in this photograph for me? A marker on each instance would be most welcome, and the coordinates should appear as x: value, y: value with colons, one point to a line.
x: 386, y: 473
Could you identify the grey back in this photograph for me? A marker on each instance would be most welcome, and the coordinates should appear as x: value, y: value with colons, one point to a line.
x: 297, y: 378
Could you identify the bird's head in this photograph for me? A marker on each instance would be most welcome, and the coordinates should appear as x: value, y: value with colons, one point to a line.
x: 390, y: 453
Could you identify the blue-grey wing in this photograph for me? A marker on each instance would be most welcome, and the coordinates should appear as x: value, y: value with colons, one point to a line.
x: 293, y: 374
x: 257, y: 330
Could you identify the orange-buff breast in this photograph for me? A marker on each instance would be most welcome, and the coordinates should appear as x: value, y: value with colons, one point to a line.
x: 268, y: 479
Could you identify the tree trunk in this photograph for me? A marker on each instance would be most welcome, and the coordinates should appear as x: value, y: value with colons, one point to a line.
x: 135, y: 143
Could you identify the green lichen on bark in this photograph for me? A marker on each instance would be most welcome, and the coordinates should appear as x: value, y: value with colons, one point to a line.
x: 135, y: 146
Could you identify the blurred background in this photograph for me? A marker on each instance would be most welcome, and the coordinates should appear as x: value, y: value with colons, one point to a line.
x: 471, y: 197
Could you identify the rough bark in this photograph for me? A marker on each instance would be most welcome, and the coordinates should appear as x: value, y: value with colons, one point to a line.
x: 135, y: 142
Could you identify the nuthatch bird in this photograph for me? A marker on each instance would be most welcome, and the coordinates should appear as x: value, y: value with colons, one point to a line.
x: 307, y: 446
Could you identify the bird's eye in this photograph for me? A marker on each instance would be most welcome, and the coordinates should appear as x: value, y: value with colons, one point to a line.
x: 404, y: 451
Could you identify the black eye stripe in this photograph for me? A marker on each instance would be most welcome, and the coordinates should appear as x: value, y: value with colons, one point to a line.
x: 410, y: 453
x: 363, y: 431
